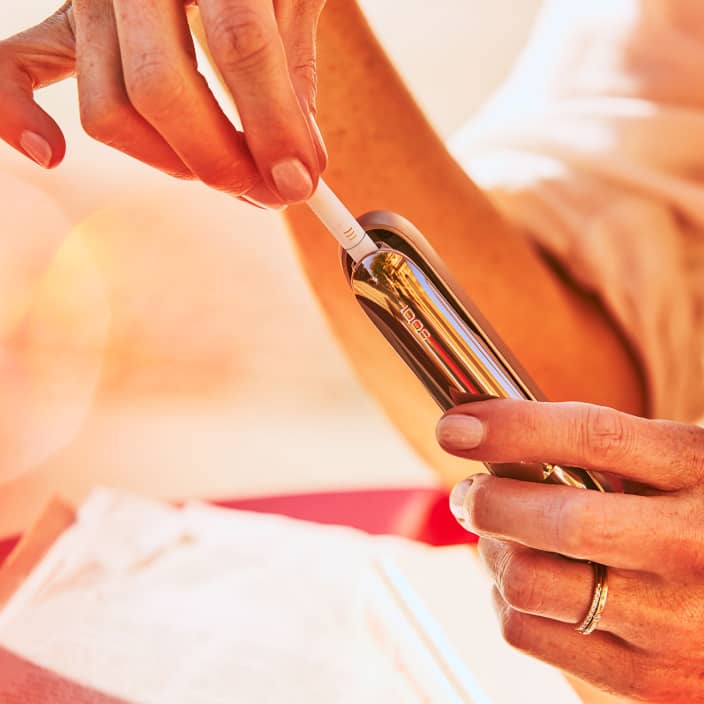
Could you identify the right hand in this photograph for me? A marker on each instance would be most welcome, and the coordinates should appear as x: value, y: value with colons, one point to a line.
x: 140, y: 91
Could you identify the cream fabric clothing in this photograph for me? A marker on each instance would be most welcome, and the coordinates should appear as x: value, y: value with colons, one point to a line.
x: 595, y: 146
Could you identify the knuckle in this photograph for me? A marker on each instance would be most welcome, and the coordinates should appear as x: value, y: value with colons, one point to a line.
x: 685, y: 543
x: 514, y: 577
x: 103, y: 119
x: 155, y: 85
x: 513, y: 628
x: 62, y: 28
x: 580, y: 529
x: 65, y: 17
x: 686, y: 626
x: 240, y: 40
x: 606, y: 437
x: 478, y: 509
x: 693, y: 454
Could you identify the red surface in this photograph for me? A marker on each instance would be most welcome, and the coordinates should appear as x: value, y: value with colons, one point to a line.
x: 6, y: 546
x: 24, y: 681
x: 419, y: 514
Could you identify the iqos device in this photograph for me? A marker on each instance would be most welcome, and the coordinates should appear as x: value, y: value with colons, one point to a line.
x: 405, y: 290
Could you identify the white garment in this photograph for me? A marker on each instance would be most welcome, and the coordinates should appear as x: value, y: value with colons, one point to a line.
x: 596, y: 147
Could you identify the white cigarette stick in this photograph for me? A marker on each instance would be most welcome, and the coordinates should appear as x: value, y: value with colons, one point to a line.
x: 341, y: 223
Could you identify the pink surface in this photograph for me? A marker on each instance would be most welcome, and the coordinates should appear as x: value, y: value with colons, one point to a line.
x: 418, y: 514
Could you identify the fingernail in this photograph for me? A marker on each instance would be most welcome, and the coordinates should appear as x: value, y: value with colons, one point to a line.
x: 292, y: 180
x: 460, y: 432
x: 36, y: 147
x: 457, y: 498
x: 318, y: 136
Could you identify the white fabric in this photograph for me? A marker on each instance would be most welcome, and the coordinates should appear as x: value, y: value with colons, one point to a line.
x: 596, y: 147
x: 202, y: 605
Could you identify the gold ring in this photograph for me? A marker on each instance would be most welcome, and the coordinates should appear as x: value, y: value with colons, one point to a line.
x: 596, y: 608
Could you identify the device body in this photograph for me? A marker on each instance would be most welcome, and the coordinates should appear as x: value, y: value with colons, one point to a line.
x: 405, y: 290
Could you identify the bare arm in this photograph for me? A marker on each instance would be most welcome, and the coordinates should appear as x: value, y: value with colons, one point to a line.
x: 384, y: 154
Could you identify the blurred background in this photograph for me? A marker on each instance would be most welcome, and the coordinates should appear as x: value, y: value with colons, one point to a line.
x: 133, y: 351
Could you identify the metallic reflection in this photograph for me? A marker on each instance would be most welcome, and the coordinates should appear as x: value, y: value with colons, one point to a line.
x: 444, y: 341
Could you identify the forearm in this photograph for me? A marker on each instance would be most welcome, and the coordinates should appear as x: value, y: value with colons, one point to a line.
x: 384, y: 154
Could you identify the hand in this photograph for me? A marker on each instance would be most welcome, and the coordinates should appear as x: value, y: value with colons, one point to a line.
x: 650, y: 642
x: 140, y: 91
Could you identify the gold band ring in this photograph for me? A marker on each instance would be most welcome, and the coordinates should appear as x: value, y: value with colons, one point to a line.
x: 596, y: 608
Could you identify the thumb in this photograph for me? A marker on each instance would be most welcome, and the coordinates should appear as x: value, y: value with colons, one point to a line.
x: 30, y: 60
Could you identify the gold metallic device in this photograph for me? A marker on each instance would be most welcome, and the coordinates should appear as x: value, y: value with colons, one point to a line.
x: 405, y: 290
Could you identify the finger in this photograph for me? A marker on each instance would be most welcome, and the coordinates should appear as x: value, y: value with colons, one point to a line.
x: 35, y: 58
x: 552, y: 586
x: 165, y: 87
x: 620, y: 530
x: 261, y: 197
x: 600, y: 658
x: 106, y: 112
x: 298, y: 25
x: 662, y: 454
x: 245, y: 43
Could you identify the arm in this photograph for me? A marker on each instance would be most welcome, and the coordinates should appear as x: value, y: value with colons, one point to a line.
x: 384, y: 154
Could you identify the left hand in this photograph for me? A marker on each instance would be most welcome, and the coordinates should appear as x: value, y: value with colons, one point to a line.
x: 650, y: 641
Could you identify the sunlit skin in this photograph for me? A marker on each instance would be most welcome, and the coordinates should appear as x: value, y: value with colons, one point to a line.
x: 139, y: 92
x: 376, y: 135
x: 649, y: 642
